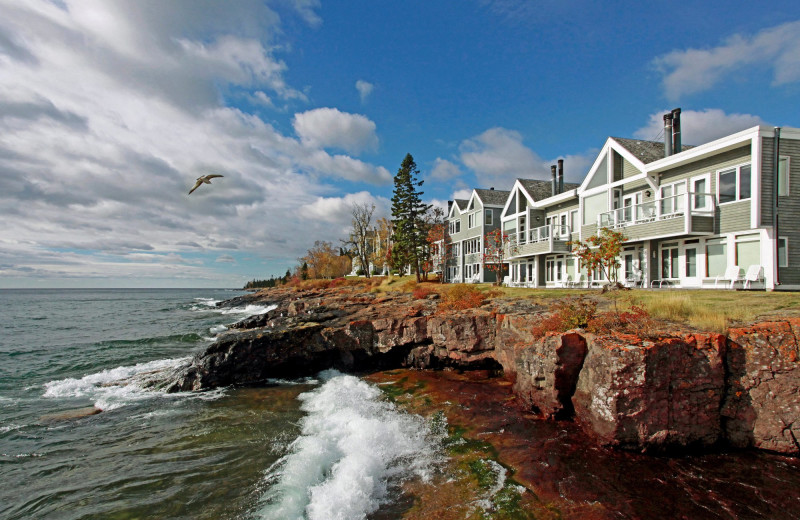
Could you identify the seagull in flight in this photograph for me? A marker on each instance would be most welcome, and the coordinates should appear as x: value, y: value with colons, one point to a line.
x: 205, y: 179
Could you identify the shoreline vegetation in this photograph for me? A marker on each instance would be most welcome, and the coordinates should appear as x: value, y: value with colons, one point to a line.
x: 707, y: 310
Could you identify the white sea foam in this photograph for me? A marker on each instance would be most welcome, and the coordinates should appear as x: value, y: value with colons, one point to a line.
x: 211, y: 302
x: 114, y: 387
x: 250, y: 310
x: 353, y: 442
x: 216, y: 329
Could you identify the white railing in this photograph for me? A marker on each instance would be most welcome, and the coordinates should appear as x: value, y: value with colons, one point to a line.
x: 659, y: 209
x: 539, y: 234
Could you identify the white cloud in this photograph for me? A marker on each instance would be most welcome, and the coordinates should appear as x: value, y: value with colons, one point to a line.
x: 700, y: 126
x: 225, y: 259
x: 331, y: 128
x: 463, y: 194
x: 364, y: 88
x: 110, y: 109
x: 338, y: 210
x: 696, y: 70
x: 497, y: 156
x: 444, y: 170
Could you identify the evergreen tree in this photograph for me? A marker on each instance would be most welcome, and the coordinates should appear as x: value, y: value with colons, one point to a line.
x: 304, y: 271
x: 408, y: 212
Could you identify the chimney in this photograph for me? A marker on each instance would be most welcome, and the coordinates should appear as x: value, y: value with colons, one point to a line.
x: 561, y: 175
x: 491, y: 189
x: 554, y: 182
x: 676, y: 131
x: 667, y: 134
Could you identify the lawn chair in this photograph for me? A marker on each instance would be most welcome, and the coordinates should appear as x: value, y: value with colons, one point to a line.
x: 755, y: 273
x: 579, y: 281
x: 507, y: 281
x: 732, y: 274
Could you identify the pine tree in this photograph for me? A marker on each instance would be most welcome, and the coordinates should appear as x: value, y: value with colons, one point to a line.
x: 408, y: 213
x: 304, y: 271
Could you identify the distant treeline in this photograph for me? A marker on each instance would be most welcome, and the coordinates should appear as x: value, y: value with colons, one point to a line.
x: 272, y: 282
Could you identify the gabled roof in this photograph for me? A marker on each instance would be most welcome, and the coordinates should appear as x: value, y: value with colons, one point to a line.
x: 493, y: 197
x: 646, y: 151
x: 461, y: 203
x: 541, y: 190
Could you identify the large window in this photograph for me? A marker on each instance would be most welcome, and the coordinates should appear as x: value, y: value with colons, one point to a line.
x: 701, y: 188
x: 489, y: 217
x: 748, y: 251
x: 455, y: 226
x: 783, y: 176
x: 472, y: 246
x: 734, y: 184
x: 716, y: 257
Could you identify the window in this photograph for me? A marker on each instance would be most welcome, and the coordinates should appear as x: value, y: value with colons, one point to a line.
x: 669, y: 260
x: 716, y: 257
x: 734, y: 184
x: 455, y: 226
x: 690, y: 255
x: 573, y: 221
x: 472, y: 246
x: 454, y: 249
x: 748, y: 251
x: 489, y: 217
x: 701, y: 192
x: 783, y: 176
x: 471, y: 220
x: 671, y: 200
x: 783, y: 252
x: 593, y: 206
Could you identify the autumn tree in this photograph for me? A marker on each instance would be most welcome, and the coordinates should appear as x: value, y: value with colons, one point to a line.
x: 601, y: 251
x: 496, y: 249
x: 325, y: 262
x: 408, y: 213
x: 383, y: 234
x: 436, y: 241
x: 362, y: 235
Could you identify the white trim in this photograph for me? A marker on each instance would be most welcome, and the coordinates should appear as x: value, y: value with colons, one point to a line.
x: 691, y: 188
x: 737, y: 168
x: 755, y: 182
x: 730, y: 142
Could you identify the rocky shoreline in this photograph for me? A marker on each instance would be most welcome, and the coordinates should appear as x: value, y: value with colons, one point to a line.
x: 675, y: 392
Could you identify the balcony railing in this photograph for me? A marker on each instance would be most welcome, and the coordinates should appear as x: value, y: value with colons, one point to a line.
x: 540, y: 234
x: 659, y: 209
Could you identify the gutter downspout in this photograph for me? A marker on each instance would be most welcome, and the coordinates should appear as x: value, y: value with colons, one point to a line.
x: 776, y: 158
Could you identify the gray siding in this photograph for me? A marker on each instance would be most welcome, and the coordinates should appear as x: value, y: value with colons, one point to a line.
x: 708, y: 165
x: 702, y: 224
x: 733, y: 217
x: 588, y: 230
x: 789, y: 207
x: 629, y: 170
x: 670, y: 226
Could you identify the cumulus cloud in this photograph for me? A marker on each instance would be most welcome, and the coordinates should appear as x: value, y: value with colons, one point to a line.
x: 110, y: 109
x: 696, y: 70
x: 331, y: 128
x: 497, y: 156
x: 364, y: 88
x: 463, y: 194
x: 338, y: 210
x: 700, y: 126
x: 444, y: 170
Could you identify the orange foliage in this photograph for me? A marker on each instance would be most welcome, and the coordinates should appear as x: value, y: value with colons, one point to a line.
x: 460, y: 296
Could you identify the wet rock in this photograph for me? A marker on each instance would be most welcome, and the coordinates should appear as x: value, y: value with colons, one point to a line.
x: 648, y: 395
x: 66, y: 415
x: 762, y: 402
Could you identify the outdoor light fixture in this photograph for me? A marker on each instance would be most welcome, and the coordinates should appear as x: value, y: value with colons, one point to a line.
x: 647, y: 193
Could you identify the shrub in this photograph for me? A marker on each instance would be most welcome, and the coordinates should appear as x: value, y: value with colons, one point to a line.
x: 636, y: 321
x: 360, y: 272
x: 567, y: 314
x: 421, y: 292
x: 461, y: 296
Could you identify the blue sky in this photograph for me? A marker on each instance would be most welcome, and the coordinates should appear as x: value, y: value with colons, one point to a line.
x: 110, y: 109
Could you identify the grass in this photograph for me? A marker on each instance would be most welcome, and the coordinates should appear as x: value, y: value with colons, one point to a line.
x: 707, y: 309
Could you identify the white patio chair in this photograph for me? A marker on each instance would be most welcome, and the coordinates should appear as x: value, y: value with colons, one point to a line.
x: 507, y: 281
x: 755, y: 273
x: 732, y: 274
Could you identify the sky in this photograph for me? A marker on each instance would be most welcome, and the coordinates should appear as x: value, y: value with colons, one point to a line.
x: 110, y: 109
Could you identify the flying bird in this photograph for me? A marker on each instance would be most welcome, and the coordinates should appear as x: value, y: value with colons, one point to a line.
x: 205, y: 179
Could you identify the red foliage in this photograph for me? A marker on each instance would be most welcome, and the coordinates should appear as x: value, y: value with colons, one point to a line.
x: 460, y: 297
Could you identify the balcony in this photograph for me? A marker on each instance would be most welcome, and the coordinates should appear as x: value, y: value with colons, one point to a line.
x: 663, y: 217
x: 536, y: 241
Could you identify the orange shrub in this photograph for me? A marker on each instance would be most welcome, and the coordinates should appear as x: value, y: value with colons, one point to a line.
x: 567, y: 314
x: 635, y: 321
x: 461, y: 296
x: 421, y: 292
